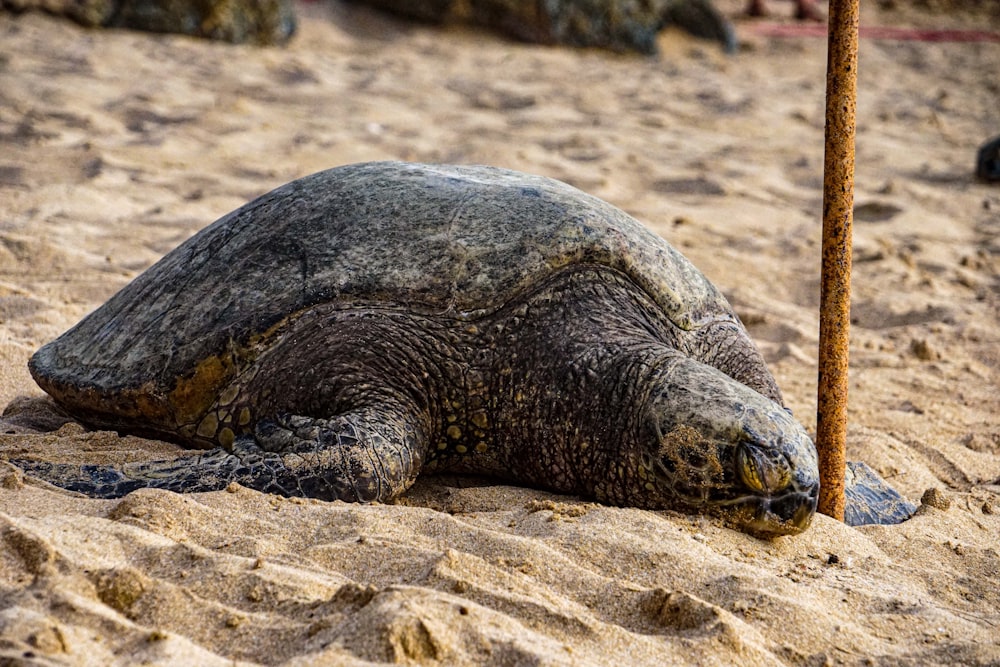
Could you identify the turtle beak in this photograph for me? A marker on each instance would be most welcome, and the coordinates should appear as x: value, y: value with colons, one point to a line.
x: 788, y: 515
x: 784, y: 502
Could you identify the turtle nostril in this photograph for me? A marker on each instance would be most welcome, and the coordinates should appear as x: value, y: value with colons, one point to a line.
x: 761, y: 473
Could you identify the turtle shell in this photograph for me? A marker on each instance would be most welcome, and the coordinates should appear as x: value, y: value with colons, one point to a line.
x: 451, y: 240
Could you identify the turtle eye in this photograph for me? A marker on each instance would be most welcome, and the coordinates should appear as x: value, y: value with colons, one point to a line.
x: 760, y: 473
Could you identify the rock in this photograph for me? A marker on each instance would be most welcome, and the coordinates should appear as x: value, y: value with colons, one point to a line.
x: 701, y: 19
x: 620, y: 25
x: 922, y: 350
x: 261, y: 22
x: 988, y: 161
x: 934, y: 497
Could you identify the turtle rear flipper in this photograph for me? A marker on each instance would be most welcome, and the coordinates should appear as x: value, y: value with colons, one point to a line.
x: 870, y: 500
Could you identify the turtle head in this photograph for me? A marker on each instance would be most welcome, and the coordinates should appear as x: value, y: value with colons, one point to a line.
x: 714, y: 445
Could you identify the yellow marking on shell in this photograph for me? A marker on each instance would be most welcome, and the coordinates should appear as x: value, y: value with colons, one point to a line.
x: 461, y: 449
x: 452, y: 419
x: 208, y: 426
x: 472, y: 329
x: 518, y: 397
x: 454, y: 432
x: 149, y: 407
x: 457, y: 405
x: 244, y: 417
x: 481, y: 447
x: 193, y: 394
x: 650, y: 487
x: 479, y: 419
x: 442, y: 445
x: 226, y: 437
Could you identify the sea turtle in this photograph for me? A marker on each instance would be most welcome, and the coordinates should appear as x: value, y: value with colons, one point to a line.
x: 346, y: 331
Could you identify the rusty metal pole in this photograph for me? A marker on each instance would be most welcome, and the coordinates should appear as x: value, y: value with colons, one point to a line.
x: 835, y: 284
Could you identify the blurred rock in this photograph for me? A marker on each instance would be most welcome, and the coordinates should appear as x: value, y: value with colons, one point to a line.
x: 988, y: 161
x: 922, y: 350
x: 262, y: 22
x: 620, y: 25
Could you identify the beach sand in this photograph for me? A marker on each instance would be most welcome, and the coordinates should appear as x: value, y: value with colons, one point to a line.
x: 116, y: 146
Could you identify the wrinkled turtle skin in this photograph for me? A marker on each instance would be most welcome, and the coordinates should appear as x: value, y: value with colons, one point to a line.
x: 351, y: 329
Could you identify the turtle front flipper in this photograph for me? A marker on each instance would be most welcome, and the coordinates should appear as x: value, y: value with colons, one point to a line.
x: 870, y: 500
x: 364, y: 456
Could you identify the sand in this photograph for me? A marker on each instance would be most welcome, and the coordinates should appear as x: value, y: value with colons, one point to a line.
x: 116, y: 146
